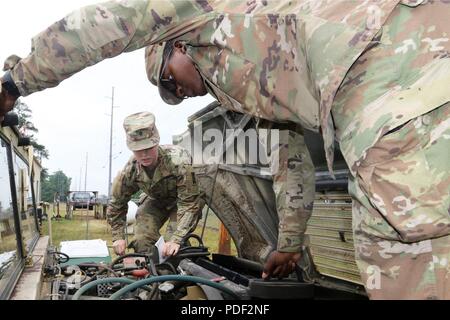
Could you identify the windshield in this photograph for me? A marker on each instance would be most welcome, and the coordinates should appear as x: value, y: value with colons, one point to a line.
x: 81, y: 196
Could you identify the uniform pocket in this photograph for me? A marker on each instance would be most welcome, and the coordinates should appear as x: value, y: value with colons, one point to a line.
x: 406, y: 188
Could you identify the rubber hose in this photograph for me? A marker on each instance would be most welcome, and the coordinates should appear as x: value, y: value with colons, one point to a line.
x: 63, y: 255
x: 168, y: 264
x: 196, y: 237
x: 193, y: 249
x: 91, y: 285
x: 179, y: 278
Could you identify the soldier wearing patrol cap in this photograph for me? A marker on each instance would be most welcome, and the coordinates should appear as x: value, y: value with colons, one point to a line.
x: 164, y: 175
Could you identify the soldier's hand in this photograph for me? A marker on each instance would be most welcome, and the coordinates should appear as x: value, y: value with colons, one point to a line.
x: 280, y: 264
x: 6, y: 103
x: 119, y: 247
x: 170, y: 249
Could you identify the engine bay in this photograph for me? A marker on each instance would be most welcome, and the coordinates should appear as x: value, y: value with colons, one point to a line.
x: 193, y: 274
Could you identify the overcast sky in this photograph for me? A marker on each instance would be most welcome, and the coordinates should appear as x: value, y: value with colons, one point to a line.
x: 73, y: 118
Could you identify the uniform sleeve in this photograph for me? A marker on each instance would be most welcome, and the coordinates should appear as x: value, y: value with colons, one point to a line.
x: 97, y: 32
x: 123, y: 189
x: 190, y: 203
x: 294, y: 187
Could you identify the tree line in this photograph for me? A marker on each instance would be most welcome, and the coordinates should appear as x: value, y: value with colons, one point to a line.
x: 51, y: 184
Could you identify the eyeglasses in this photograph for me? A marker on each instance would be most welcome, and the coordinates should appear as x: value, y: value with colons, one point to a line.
x: 169, y: 84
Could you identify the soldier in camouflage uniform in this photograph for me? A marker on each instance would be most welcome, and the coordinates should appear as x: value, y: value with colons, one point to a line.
x: 397, y: 145
x: 374, y: 75
x: 164, y: 175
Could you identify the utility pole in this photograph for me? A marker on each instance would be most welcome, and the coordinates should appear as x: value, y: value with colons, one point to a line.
x: 86, y: 172
x: 110, y: 145
x: 89, y: 200
x: 79, y: 182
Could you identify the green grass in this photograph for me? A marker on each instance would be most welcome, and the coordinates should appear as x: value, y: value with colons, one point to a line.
x: 8, y: 243
x: 70, y: 230
x: 212, y: 233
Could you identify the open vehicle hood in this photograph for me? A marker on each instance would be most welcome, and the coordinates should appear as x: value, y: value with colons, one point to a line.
x: 243, y: 199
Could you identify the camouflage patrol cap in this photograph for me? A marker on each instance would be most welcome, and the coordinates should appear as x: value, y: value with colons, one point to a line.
x: 154, y: 60
x: 141, y: 131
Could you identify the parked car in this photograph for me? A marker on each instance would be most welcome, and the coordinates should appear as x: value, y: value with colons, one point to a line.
x: 81, y: 200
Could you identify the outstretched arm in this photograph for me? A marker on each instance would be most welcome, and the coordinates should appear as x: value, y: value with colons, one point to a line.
x: 94, y: 33
x: 97, y: 32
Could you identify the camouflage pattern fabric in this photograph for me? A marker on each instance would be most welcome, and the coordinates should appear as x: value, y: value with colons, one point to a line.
x: 150, y: 218
x: 172, y: 187
x: 392, y: 122
x: 401, y: 212
x: 141, y: 131
x: 403, y: 74
x: 278, y: 60
x: 294, y: 188
x: 11, y: 62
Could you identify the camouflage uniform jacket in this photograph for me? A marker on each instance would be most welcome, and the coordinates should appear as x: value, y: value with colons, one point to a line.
x: 279, y: 60
x: 172, y: 185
